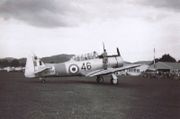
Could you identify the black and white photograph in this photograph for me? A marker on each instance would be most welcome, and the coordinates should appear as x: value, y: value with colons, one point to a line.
x: 89, y: 59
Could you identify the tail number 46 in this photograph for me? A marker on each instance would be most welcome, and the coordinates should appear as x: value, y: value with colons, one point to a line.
x: 86, y: 66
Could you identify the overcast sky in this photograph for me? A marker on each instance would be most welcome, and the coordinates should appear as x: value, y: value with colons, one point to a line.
x: 50, y: 27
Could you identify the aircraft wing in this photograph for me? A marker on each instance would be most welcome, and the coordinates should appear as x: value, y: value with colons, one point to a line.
x: 42, y: 69
x: 110, y: 70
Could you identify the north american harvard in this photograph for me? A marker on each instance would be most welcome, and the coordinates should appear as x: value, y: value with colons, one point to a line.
x: 89, y: 66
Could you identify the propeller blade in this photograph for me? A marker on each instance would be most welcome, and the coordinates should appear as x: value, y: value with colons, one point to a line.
x: 118, y: 52
x: 103, y: 47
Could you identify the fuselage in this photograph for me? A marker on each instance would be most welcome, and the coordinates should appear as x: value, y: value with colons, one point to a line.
x: 80, y: 68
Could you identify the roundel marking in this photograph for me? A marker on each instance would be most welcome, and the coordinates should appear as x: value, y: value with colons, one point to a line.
x: 73, y: 68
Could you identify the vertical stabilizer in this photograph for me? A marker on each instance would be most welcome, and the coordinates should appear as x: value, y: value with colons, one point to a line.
x: 29, y: 68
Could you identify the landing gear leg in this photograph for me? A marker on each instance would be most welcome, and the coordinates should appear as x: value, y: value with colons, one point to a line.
x: 114, y: 79
x: 99, y: 79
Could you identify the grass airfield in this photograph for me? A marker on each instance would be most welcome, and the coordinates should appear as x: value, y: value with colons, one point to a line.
x: 83, y: 98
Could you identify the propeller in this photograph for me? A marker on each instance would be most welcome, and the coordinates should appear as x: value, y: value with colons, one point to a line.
x: 104, y: 49
x: 118, y: 52
x: 105, y: 52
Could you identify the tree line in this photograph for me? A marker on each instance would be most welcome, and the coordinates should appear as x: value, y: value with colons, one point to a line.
x: 11, y: 63
x: 166, y: 58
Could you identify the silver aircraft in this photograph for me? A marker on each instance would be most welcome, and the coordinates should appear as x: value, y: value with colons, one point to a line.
x: 90, y: 65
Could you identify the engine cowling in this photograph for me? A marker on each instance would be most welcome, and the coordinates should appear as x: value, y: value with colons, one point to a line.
x: 115, y: 62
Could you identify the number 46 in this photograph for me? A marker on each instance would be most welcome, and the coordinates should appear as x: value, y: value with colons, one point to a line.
x: 86, y: 66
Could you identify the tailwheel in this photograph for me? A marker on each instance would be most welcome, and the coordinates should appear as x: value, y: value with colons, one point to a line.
x: 114, y: 79
x: 99, y: 79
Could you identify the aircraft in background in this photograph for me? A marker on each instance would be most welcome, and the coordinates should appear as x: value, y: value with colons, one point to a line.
x: 90, y: 65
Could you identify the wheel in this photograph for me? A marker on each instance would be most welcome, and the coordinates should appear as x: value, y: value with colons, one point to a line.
x: 99, y: 79
x: 114, y: 81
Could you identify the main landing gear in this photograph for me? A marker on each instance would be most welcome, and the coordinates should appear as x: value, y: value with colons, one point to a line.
x: 114, y: 79
x: 99, y: 79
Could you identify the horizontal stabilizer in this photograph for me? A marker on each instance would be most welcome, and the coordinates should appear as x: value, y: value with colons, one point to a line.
x: 42, y: 69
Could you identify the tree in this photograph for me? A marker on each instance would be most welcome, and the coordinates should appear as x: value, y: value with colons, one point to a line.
x: 4, y: 63
x: 15, y: 63
x: 167, y: 58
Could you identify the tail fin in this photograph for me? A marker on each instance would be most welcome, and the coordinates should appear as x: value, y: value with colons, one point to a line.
x: 32, y: 64
x: 29, y: 68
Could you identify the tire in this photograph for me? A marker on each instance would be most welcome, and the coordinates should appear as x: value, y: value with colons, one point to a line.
x: 100, y: 79
x: 114, y: 81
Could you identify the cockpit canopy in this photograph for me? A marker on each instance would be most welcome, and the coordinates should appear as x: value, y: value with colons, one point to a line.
x: 86, y: 56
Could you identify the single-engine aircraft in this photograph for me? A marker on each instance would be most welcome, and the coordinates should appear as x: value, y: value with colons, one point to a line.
x: 88, y: 66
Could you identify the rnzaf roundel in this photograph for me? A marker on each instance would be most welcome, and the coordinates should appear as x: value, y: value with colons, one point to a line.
x: 73, y: 68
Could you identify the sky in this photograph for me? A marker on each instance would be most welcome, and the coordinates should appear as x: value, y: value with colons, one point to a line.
x: 51, y: 27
